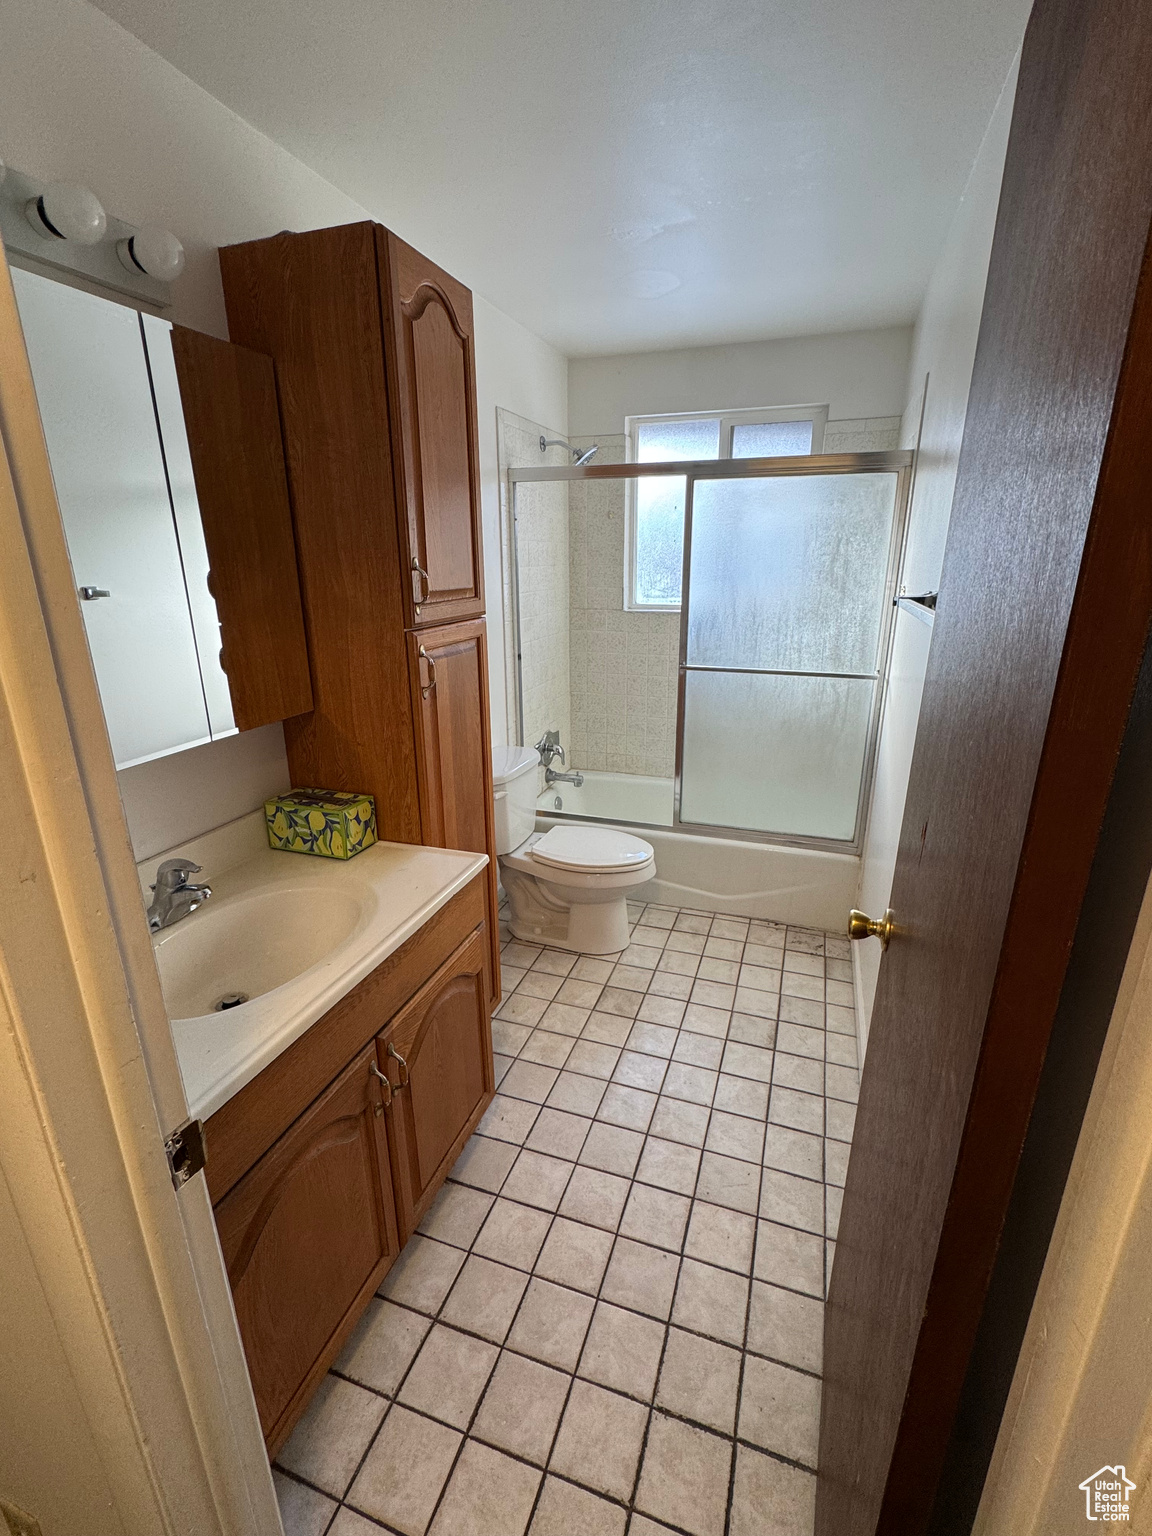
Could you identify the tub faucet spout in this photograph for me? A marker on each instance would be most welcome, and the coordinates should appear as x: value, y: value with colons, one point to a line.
x: 573, y: 778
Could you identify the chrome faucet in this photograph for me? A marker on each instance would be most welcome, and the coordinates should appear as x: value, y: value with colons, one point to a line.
x: 549, y: 748
x: 175, y: 896
x: 574, y: 778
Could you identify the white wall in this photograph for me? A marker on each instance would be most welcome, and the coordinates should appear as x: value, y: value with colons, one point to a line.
x: 83, y: 100
x: 856, y: 373
x: 944, y: 349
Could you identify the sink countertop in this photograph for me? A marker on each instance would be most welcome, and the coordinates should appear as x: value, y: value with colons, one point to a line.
x: 402, y: 886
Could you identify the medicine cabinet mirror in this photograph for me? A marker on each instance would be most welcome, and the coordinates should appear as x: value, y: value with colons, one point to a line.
x: 169, y: 469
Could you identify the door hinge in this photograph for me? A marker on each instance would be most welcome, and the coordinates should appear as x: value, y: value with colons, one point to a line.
x: 186, y: 1154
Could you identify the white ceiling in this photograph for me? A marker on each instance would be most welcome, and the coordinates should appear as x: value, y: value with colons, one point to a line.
x: 622, y: 175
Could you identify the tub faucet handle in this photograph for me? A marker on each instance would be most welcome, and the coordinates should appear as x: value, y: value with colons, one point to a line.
x: 549, y: 748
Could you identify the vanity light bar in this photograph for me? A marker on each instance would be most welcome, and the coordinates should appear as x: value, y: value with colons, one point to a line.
x: 64, y: 228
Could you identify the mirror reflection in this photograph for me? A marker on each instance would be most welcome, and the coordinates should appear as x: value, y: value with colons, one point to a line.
x: 169, y: 472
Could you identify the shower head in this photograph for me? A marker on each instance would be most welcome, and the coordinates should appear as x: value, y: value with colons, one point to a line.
x: 579, y: 456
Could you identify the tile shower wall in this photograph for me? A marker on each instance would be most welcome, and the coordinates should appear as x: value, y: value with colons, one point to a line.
x: 623, y: 666
x: 872, y: 434
x: 542, y: 542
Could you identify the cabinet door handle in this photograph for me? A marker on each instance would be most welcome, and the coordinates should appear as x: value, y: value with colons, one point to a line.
x: 423, y: 585
x: 385, y: 1088
x: 401, y: 1063
x: 424, y: 656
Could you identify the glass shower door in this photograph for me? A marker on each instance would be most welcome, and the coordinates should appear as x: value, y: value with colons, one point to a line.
x: 787, y: 598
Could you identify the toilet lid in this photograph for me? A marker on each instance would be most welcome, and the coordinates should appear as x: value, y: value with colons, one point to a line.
x: 591, y: 848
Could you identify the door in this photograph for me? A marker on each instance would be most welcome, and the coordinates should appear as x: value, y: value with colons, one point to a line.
x: 449, y: 672
x: 432, y: 399
x: 788, y: 581
x: 437, y: 1052
x: 307, y: 1236
x: 1044, y: 608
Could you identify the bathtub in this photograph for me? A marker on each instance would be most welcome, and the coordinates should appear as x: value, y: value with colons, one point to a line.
x: 623, y: 797
x: 806, y: 886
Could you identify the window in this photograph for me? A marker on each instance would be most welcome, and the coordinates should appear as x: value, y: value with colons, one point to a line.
x: 654, y: 517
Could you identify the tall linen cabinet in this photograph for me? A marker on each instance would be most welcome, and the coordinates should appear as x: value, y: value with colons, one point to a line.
x: 375, y: 367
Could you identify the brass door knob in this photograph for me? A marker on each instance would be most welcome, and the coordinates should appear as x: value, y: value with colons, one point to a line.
x: 861, y: 926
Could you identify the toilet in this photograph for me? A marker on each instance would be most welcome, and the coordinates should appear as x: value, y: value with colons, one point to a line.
x: 567, y: 887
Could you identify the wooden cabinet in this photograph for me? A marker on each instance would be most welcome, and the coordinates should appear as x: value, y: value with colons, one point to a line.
x: 228, y: 394
x: 319, y: 1171
x: 437, y: 1056
x: 307, y: 1235
x: 432, y: 394
x: 373, y: 348
x: 449, y: 672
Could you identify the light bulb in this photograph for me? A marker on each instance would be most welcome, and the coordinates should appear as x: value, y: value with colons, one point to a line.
x: 156, y: 252
x: 64, y: 212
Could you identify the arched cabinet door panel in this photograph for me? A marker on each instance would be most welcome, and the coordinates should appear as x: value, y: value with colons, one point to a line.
x: 307, y: 1234
x: 448, y: 668
x: 432, y: 400
x: 437, y: 1053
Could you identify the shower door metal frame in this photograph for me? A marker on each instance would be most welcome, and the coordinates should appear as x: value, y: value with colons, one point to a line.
x: 901, y: 463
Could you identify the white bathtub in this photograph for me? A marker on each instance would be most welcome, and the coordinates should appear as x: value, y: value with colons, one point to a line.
x: 806, y: 886
x: 629, y: 797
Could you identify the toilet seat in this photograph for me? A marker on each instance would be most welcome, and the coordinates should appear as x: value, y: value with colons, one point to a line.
x: 590, y: 850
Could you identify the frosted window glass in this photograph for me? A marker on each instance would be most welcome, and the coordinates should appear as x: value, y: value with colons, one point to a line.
x: 771, y: 439
x: 788, y: 572
x: 774, y: 754
x: 659, y: 539
x: 658, y: 442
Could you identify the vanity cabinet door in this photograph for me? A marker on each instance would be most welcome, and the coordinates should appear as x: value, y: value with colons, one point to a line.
x: 437, y: 1053
x: 307, y: 1235
x: 432, y: 397
x: 449, y: 672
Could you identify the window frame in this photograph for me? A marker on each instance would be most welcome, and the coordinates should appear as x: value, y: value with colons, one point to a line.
x: 752, y: 416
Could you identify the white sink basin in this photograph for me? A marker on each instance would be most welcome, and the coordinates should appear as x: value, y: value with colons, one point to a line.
x: 248, y: 945
x: 295, y: 935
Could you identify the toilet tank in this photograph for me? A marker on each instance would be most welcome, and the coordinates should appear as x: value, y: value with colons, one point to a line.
x: 515, y: 775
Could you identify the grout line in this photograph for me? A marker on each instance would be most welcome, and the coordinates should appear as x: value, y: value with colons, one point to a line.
x: 646, y: 1135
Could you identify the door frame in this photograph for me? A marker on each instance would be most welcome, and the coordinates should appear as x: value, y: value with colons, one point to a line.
x: 90, y: 1085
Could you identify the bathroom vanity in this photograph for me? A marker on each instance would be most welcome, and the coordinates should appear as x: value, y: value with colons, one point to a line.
x: 337, y: 1101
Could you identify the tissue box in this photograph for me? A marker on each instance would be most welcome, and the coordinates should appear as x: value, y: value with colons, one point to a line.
x: 329, y: 822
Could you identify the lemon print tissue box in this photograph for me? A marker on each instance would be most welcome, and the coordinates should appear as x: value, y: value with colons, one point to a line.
x: 328, y: 822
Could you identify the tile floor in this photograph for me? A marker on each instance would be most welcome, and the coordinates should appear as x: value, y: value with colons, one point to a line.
x: 610, y: 1319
